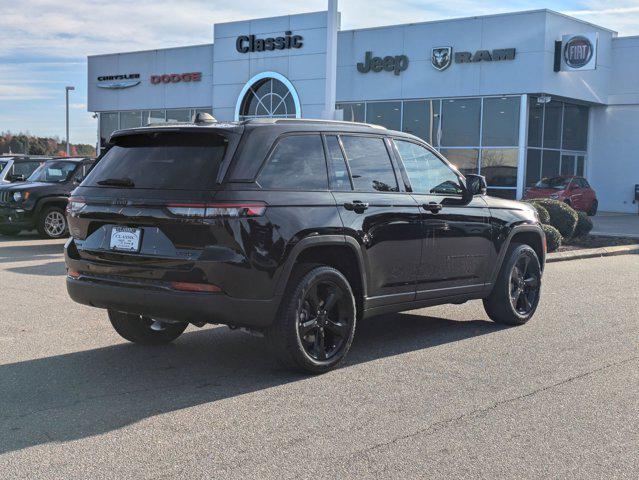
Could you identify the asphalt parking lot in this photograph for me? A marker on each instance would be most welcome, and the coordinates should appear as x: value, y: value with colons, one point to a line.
x: 435, y: 393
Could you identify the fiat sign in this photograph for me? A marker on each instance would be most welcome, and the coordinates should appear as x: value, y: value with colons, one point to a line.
x: 579, y: 52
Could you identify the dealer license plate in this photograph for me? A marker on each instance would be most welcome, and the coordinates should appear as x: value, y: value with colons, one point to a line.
x: 126, y: 239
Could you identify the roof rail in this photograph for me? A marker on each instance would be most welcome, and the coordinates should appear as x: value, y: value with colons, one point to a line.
x: 272, y: 121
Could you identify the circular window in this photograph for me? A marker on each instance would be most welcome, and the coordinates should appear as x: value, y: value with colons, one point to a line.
x: 268, y: 97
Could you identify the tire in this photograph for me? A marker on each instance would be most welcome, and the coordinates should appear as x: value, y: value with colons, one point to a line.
x: 306, y: 336
x: 9, y: 231
x: 137, y: 329
x: 593, y: 208
x: 514, y: 298
x: 52, y: 223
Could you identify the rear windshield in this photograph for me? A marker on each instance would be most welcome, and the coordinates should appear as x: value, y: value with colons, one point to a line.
x: 161, y: 160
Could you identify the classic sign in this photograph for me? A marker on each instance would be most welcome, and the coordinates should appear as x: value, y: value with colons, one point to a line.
x: 249, y: 43
x: 395, y: 64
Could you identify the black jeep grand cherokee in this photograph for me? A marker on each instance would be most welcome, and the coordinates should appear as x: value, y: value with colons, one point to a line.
x: 297, y: 229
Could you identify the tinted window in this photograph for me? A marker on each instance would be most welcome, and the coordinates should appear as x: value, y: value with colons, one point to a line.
x: 533, y: 167
x: 460, y: 122
x: 352, y: 112
x: 297, y: 163
x: 499, y: 166
x: 580, y: 165
x: 2, y: 165
x: 387, y: 114
x: 170, y: 160
x: 567, y: 164
x: 575, y: 132
x: 427, y: 173
x: 466, y: 160
x: 339, y: 173
x: 550, y: 164
x: 535, y: 122
x: 552, y: 124
x: 370, y: 164
x: 501, y: 122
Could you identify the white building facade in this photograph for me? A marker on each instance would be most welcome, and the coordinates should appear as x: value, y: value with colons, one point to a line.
x: 515, y: 97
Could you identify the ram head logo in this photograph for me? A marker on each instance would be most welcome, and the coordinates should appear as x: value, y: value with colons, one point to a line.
x: 441, y: 57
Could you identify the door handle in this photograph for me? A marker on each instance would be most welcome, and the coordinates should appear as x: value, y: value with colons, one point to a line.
x: 432, y: 207
x: 356, y: 206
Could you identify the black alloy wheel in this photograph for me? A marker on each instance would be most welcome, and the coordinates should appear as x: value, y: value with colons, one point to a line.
x: 524, y: 286
x: 324, y: 324
x: 316, y: 324
x: 517, y: 289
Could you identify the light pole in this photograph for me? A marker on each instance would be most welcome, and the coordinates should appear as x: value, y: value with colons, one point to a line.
x: 67, y: 98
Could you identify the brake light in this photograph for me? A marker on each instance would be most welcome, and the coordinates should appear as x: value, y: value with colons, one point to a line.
x: 215, y: 210
x: 75, y: 204
x: 195, y: 287
x: 73, y: 274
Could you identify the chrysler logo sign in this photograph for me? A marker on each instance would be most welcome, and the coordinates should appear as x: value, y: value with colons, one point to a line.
x: 441, y: 57
x: 116, y: 82
x: 577, y: 52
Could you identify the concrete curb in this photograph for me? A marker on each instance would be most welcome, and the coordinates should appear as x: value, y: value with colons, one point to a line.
x: 592, y: 253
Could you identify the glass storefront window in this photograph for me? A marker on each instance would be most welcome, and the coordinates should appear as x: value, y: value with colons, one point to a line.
x: 352, y: 112
x: 421, y: 118
x: 130, y: 120
x: 567, y: 164
x: 580, y: 165
x: 500, y: 122
x: 549, y: 163
x: 535, y: 122
x: 182, y: 115
x: 533, y: 167
x: 499, y: 166
x: 552, y: 124
x: 387, y: 114
x: 466, y: 160
x: 109, y: 123
x: 460, y: 122
x: 153, y: 116
x: 575, y: 131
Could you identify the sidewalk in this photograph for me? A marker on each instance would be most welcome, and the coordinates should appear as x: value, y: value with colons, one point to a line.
x: 616, y: 224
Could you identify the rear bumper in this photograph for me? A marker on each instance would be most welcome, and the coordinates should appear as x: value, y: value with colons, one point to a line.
x: 182, y: 306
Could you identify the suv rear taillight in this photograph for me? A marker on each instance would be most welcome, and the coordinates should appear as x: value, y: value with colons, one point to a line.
x: 215, y: 210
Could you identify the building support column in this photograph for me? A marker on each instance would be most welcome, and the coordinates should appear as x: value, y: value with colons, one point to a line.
x: 523, y: 140
x: 330, y: 91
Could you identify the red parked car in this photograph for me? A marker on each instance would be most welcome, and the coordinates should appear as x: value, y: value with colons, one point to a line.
x: 575, y: 191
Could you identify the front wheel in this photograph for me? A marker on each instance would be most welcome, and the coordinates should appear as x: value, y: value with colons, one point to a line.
x: 52, y: 223
x: 316, y: 325
x: 145, y: 330
x: 516, y: 292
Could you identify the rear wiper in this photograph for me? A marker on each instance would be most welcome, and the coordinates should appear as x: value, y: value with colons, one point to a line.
x: 117, y: 182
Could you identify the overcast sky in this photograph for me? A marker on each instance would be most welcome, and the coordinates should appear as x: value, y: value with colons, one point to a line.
x: 44, y: 43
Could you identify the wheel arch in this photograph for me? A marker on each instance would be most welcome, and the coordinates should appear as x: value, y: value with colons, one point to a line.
x: 531, y: 235
x: 57, y: 201
x: 340, y: 252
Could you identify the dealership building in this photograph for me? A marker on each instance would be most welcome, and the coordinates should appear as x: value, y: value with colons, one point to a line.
x: 515, y: 97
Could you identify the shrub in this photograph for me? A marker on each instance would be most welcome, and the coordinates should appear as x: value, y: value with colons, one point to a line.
x: 544, y: 217
x: 553, y: 237
x: 562, y: 216
x: 584, y: 224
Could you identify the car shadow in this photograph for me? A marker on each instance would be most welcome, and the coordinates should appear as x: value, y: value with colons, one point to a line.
x: 50, y: 269
x: 83, y: 394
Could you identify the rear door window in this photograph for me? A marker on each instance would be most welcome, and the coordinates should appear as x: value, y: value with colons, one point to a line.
x: 162, y: 160
x: 297, y: 163
x: 370, y: 164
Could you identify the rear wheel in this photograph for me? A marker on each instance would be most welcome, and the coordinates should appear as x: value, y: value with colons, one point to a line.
x: 145, y: 330
x: 52, y: 223
x: 593, y: 208
x: 516, y: 292
x: 316, y: 325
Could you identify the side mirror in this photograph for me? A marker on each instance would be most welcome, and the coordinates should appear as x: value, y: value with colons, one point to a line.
x: 475, y: 185
x: 17, y: 178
